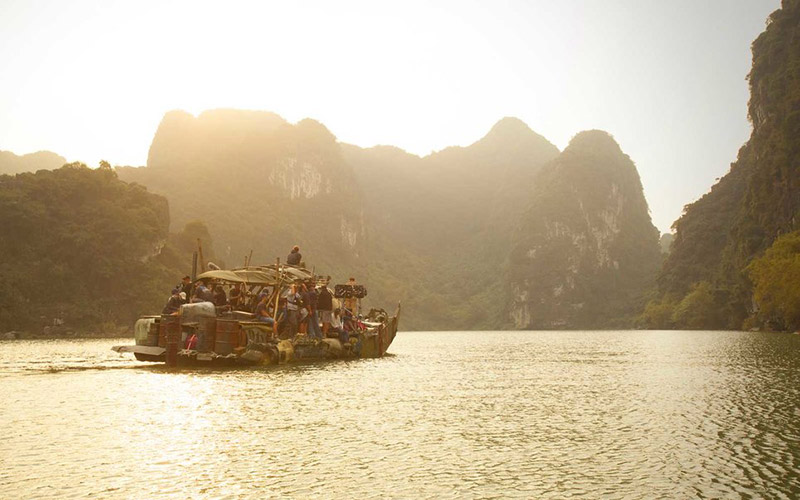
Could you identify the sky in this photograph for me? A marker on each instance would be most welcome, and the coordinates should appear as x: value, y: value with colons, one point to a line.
x: 91, y: 80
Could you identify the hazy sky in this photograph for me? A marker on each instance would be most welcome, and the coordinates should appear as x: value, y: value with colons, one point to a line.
x: 92, y: 79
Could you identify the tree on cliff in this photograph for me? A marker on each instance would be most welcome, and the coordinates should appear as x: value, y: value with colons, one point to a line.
x: 776, y: 283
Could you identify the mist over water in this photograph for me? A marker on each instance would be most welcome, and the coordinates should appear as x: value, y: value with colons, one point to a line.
x: 448, y: 415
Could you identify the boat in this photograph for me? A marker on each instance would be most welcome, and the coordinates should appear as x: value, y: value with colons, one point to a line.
x: 202, y: 334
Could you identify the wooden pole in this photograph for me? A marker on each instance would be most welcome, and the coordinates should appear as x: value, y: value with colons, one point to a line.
x: 194, y: 269
x: 200, y: 253
x: 277, y: 295
x: 250, y: 258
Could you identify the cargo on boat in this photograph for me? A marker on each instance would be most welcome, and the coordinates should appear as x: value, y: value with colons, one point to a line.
x: 258, y: 328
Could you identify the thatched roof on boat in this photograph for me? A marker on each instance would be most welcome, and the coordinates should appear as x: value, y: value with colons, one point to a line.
x: 259, y: 275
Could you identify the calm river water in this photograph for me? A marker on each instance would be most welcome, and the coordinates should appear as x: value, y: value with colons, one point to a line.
x: 448, y: 415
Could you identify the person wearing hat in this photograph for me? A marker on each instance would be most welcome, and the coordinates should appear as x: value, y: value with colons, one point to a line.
x: 294, y: 257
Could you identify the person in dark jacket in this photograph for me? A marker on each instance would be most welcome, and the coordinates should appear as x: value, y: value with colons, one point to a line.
x: 313, y: 318
x: 186, y: 287
x: 174, y: 303
x: 294, y: 257
x: 325, y: 308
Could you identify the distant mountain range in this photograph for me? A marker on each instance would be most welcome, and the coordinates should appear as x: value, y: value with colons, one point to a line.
x: 42, y: 160
x: 435, y: 232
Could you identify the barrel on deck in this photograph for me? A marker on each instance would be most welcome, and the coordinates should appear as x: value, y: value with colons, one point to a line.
x: 206, y: 333
x: 172, y: 337
x: 152, y: 334
x: 162, y: 329
x: 227, y: 337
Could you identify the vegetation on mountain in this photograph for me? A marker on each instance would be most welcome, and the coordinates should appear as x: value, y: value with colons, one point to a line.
x: 758, y: 200
x: 775, y: 277
x: 87, y: 249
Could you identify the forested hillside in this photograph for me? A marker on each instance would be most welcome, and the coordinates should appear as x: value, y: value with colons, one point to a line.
x: 82, y: 247
x: 586, y: 250
x: 704, y: 283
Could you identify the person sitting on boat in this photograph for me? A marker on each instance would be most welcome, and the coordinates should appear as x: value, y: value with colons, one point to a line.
x: 236, y: 297
x: 174, y: 303
x: 220, y: 298
x: 338, y: 327
x: 294, y: 257
x: 202, y: 293
x: 262, y: 312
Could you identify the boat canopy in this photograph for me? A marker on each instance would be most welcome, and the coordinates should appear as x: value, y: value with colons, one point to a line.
x: 259, y: 275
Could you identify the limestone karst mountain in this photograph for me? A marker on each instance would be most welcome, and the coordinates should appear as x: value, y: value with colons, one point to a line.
x: 586, y: 250
x: 444, y: 221
x: 259, y: 183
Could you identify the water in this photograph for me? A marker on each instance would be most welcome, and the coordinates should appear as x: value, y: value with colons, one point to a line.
x: 447, y: 415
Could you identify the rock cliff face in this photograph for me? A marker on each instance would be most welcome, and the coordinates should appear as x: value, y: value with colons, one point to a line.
x: 586, y: 249
x: 759, y: 199
x: 259, y: 183
x: 440, y: 226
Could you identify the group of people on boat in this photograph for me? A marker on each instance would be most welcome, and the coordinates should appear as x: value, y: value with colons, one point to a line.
x: 306, y: 307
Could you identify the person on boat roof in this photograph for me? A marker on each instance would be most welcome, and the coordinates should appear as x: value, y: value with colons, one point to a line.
x: 294, y: 257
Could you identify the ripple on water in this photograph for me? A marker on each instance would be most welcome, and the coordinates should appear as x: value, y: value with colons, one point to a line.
x: 448, y: 415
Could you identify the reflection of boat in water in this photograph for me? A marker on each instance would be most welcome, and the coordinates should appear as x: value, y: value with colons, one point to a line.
x: 226, y: 337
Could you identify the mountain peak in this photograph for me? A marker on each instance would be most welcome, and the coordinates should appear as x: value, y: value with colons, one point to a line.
x: 511, y: 133
x: 596, y: 140
x: 509, y: 127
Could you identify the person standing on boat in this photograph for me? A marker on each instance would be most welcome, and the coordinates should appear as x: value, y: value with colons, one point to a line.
x: 294, y: 257
x: 293, y: 310
x: 325, y: 308
x: 186, y: 288
x: 313, y: 317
